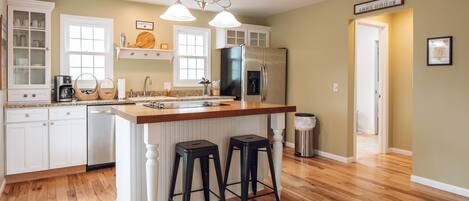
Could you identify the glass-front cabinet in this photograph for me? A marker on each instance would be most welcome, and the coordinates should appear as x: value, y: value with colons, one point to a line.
x: 247, y: 34
x: 29, y: 56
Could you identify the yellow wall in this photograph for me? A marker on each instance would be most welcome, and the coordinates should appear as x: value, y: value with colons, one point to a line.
x: 320, y: 50
x: 124, y: 14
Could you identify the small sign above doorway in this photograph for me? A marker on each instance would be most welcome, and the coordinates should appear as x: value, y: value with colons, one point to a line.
x: 375, y: 5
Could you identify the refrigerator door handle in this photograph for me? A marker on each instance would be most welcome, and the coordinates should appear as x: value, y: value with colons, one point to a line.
x: 265, y: 83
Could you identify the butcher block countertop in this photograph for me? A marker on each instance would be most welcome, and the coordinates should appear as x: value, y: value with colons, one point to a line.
x: 140, y: 114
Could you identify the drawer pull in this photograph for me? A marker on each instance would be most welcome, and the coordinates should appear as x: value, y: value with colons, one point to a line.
x: 26, y: 115
x: 44, y: 124
x: 34, y: 95
x: 52, y: 123
x: 25, y: 95
x: 68, y: 113
x: 157, y: 54
x: 145, y: 54
x: 132, y: 54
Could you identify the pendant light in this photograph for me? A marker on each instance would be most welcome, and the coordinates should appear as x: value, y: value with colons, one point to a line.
x: 225, y: 19
x: 178, y: 12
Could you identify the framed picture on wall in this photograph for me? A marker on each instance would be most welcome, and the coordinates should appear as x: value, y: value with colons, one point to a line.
x: 144, y: 25
x: 440, y: 51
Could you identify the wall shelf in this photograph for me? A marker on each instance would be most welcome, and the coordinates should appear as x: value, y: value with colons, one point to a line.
x: 141, y: 53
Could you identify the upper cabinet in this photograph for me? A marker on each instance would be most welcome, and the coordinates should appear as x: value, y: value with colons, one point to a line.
x: 29, y: 59
x: 249, y: 35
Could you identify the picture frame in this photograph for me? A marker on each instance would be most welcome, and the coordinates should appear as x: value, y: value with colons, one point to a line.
x: 375, y: 5
x: 440, y: 51
x: 144, y: 25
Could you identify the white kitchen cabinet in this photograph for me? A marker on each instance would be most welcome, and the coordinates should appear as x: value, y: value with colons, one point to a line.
x: 67, y: 142
x: 29, y: 57
x: 258, y: 38
x: 247, y: 34
x: 45, y: 138
x: 27, y: 147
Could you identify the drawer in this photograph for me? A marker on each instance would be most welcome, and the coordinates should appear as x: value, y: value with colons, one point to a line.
x: 26, y: 115
x: 29, y: 95
x: 62, y: 113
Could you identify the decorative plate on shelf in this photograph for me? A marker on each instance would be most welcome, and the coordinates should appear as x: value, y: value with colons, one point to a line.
x: 145, y: 40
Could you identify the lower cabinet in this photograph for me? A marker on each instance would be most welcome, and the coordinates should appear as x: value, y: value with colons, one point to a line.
x: 67, y: 143
x: 45, y: 138
x: 27, y: 147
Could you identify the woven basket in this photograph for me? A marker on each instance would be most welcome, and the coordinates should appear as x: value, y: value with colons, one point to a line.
x: 107, y: 93
x: 84, y: 96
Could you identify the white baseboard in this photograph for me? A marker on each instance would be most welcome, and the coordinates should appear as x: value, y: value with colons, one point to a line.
x: 326, y: 154
x: 400, y: 151
x: 2, y: 187
x: 440, y: 185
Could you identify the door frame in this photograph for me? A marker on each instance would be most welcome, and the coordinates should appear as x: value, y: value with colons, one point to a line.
x: 383, y: 87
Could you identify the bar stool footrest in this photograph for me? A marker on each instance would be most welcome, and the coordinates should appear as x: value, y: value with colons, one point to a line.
x: 256, y: 196
x: 200, y: 190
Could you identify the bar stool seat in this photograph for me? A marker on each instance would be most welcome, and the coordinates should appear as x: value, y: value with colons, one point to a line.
x: 249, y: 146
x: 189, y: 151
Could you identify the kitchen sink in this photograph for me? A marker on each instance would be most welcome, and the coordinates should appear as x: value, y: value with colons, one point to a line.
x: 181, y: 105
x: 151, y: 98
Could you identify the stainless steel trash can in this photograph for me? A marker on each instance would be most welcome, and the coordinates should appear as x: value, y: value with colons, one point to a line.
x: 304, y: 134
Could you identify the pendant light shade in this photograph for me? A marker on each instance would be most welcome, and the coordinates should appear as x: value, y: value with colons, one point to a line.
x: 178, y: 12
x: 225, y: 19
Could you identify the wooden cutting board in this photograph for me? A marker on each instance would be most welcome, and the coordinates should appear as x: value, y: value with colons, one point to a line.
x: 145, y: 40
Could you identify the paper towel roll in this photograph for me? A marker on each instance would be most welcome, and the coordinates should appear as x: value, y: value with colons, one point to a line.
x: 121, y: 89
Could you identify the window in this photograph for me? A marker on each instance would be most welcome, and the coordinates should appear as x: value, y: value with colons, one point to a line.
x: 86, y: 47
x: 192, y: 55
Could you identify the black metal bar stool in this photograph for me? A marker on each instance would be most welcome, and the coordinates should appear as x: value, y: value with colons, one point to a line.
x: 189, y: 151
x: 250, y: 145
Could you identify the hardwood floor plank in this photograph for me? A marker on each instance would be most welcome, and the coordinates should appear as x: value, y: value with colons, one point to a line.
x: 384, y: 177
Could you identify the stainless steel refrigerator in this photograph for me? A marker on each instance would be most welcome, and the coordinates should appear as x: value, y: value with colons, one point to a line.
x: 254, y: 74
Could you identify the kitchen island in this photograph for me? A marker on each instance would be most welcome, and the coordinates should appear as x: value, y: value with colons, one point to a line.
x: 146, y: 138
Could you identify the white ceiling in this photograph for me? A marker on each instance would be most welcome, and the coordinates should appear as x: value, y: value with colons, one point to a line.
x: 251, y: 8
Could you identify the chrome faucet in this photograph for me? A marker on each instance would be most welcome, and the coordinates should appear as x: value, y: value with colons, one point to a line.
x: 147, y: 80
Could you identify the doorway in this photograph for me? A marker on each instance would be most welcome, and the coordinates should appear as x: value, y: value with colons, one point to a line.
x: 371, y: 71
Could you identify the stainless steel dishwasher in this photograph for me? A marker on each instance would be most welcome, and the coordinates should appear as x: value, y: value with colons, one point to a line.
x: 101, y: 137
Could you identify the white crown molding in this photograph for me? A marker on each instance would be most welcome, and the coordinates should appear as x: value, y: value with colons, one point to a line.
x: 400, y: 151
x: 32, y: 3
x: 328, y: 155
x: 440, y: 185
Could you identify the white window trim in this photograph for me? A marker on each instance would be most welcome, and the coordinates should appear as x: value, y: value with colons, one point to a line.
x: 65, y: 20
x: 191, y: 83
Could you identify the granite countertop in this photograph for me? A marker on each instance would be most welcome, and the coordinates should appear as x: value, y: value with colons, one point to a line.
x: 117, y: 102
x: 140, y: 114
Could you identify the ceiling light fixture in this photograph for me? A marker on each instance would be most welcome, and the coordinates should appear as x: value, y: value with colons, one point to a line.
x: 224, y: 19
x: 178, y: 12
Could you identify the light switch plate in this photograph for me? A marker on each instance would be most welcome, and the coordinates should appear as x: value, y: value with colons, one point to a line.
x: 335, y: 87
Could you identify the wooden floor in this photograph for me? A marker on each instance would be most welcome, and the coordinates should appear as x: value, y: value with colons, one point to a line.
x: 376, y: 178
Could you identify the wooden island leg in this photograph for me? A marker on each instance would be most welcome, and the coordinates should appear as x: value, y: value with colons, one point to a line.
x: 151, y: 139
x: 278, y: 126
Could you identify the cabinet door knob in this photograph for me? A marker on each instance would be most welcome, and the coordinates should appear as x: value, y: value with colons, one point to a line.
x: 52, y: 123
x: 68, y: 113
x: 34, y: 95
x: 25, y: 95
x: 26, y: 115
x: 145, y: 54
x: 132, y: 54
x: 158, y: 54
x: 44, y: 124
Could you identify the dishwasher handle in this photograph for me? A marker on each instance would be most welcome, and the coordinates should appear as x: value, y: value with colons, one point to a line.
x: 106, y: 112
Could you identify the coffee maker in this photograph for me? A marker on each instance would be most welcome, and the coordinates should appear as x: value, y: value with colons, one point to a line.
x: 63, y: 88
